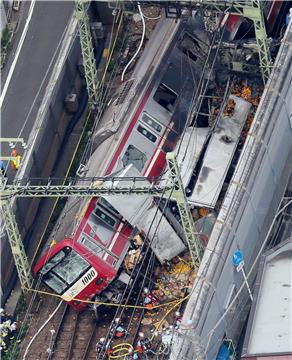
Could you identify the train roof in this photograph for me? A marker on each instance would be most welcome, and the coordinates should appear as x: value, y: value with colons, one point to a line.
x: 142, y: 212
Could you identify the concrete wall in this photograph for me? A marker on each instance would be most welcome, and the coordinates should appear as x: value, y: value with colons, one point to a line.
x: 243, y: 222
x: 3, y: 19
x: 44, y: 143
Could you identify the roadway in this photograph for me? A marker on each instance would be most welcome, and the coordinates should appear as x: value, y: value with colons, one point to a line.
x: 30, y: 62
x: 27, y: 71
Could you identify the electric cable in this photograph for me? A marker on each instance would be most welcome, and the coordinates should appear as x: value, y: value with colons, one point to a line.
x: 40, y: 329
x: 201, y: 88
x: 243, y: 285
x: 140, y: 45
x: 118, y: 313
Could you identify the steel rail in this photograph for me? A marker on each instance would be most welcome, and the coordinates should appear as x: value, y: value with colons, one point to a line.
x: 71, y: 344
x: 58, y: 331
x: 89, y: 342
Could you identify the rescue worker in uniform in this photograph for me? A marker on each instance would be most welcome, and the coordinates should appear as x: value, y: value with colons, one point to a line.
x: 15, y: 163
x: 3, y: 172
x: 2, y: 315
x: 100, y: 345
x: 13, y: 330
x: 4, y: 334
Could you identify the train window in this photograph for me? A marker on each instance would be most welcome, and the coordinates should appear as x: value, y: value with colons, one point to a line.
x: 56, y: 284
x: 146, y: 133
x: 54, y: 261
x: 106, y: 204
x: 150, y: 122
x: 71, y: 267
x: 189, y: 46
x: 104, y: 217
x: 135, y: 157
x: 165, y: 97
x: 93, y: 246
x: 64, y: 270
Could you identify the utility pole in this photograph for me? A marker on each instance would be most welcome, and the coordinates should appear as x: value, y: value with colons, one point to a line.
x: 13, y: 234
x: 87, y: 51
x: 92, y: 189
x: 179, y: 195
x: 14, y: 238
x: 255, y: 13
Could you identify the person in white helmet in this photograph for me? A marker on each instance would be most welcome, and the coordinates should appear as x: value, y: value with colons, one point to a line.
x: 13, y: 330
x: 100, y: 345
x: 3, y: 315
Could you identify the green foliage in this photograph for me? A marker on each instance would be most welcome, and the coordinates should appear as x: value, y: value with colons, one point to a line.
x: 6, y: 34
x: 14, y: 345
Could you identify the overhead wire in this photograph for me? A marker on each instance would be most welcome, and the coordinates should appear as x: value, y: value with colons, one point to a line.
x: 248, y: 274
x: 115, y: 39
x: 38, y: 284
x: 230, y: 209
x: 201, y: 89
x: 140, y: 265
x: 39, y: 279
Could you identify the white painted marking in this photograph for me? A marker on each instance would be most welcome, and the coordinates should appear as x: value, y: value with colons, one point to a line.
x: 157, y: 152
x: 80, y: 285
x: 19, y: 47
x: 113, y: 240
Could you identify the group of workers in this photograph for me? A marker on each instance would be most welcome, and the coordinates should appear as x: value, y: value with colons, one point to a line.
x: 118, y: 332
x: 8, y: 331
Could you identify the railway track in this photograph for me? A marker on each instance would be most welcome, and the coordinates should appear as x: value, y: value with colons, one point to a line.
x: 74, y: 337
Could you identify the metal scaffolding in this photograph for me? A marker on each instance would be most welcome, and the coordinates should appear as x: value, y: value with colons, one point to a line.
x: 87, y: 51
x: 90, y: 190
x: 94, y: 188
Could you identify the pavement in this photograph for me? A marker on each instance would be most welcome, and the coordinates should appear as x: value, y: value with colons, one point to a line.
x: 29, y: 64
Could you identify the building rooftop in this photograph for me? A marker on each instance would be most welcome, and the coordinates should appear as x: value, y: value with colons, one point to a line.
x: 269, y: 326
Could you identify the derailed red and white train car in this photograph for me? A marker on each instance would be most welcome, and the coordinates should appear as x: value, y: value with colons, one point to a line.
x: 143, y: 123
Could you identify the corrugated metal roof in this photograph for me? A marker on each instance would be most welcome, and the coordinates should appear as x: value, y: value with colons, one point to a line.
x: 269, y: 328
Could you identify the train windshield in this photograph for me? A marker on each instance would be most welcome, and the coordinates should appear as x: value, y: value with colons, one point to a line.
x: 63, y: 270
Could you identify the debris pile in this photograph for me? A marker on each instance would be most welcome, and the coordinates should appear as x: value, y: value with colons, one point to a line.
x: 134, y: 256
x: 229, y: 108
x: 250, y: 94
x: 157, y: 315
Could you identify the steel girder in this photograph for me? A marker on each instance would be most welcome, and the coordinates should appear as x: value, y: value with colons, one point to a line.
x: 87, y: 51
